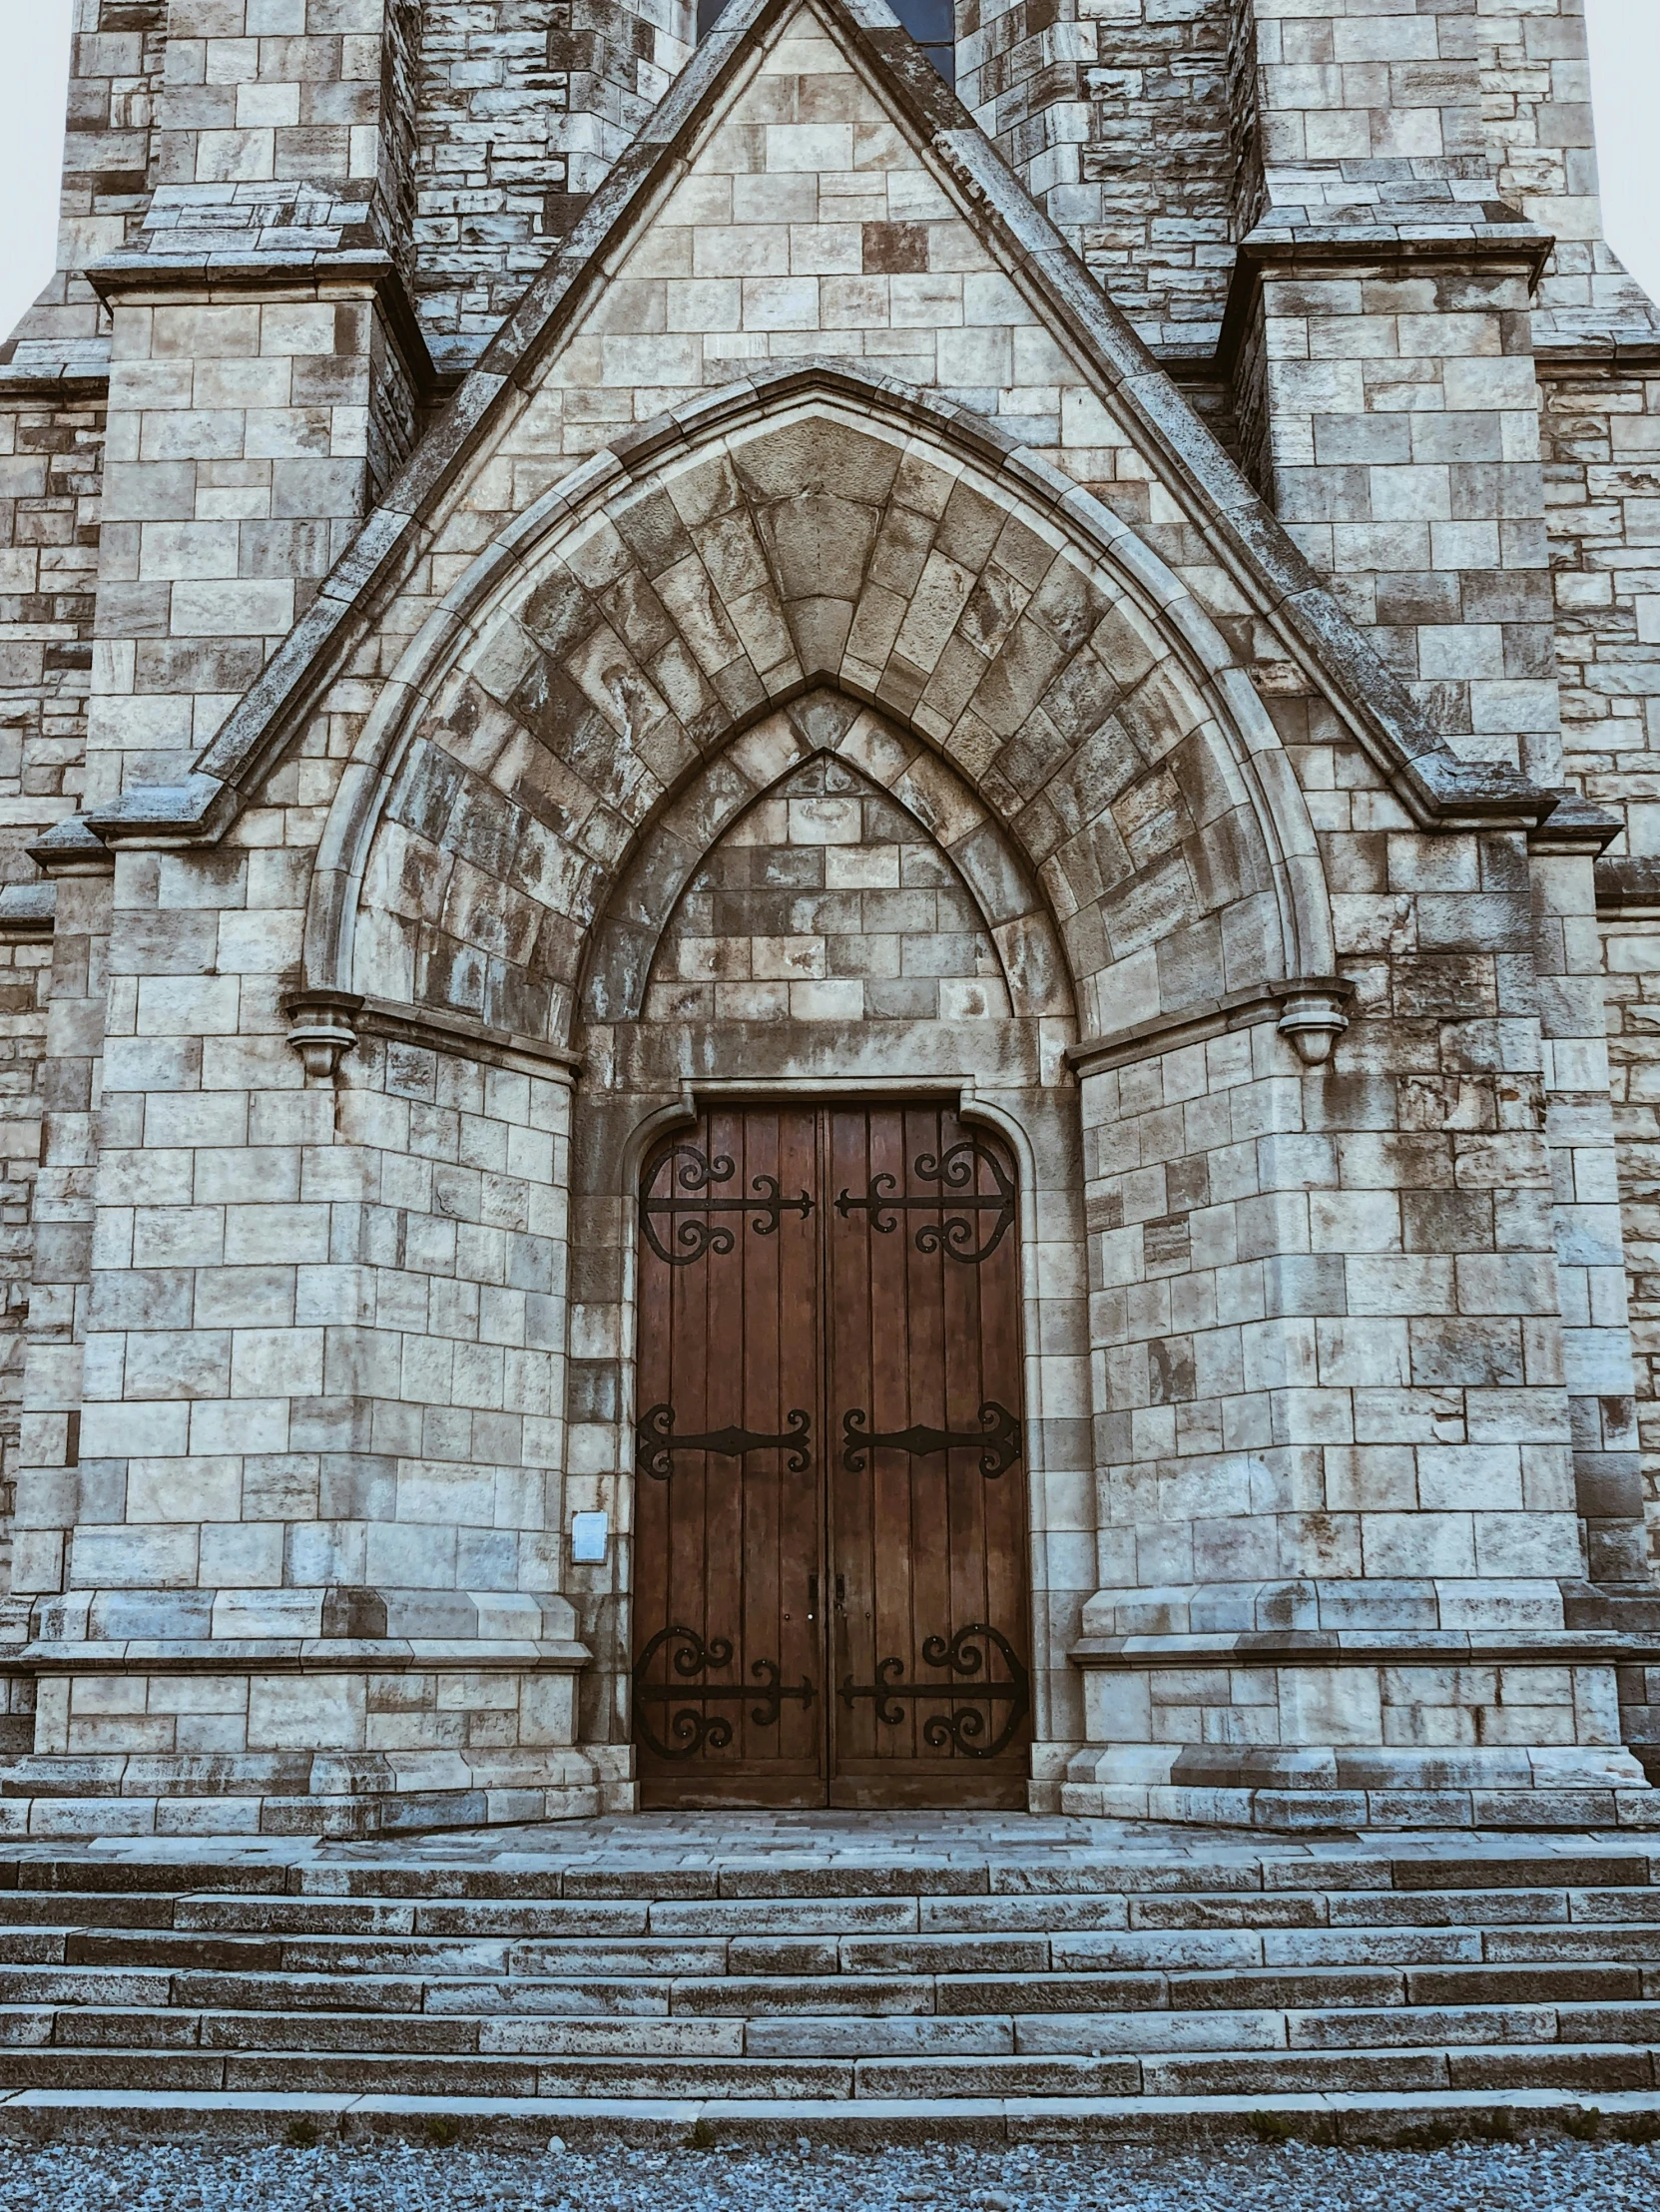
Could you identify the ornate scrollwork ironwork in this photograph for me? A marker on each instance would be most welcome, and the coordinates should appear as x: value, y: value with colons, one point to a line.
x: 656, y: 1442
x: 959, y: 1655
x: 1000, y: 1437
x: 959, y: 1236
x: 693, y: 1729
x: 694, y: 1178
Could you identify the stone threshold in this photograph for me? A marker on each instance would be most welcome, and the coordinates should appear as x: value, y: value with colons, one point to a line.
x: 775, y: 1853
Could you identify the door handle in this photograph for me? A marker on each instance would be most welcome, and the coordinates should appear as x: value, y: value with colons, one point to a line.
x: 842, y: 1593
x: 813, y: 1596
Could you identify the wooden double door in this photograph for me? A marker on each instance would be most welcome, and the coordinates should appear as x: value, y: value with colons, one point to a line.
x: 830, y: 1562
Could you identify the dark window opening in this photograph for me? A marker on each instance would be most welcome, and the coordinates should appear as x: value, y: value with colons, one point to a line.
x: 931, y: 23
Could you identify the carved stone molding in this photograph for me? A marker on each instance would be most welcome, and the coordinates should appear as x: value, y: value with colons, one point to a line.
x: 323, y: 1030
x: 1314, y: 1020
x: 1307, y: 1010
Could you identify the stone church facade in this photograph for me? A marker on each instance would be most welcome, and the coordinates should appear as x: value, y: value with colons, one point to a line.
x: 603, y: 614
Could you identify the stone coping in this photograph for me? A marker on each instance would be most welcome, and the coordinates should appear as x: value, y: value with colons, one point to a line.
x: 132, y: 276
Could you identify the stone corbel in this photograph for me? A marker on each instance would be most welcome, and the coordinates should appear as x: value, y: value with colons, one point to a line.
x: 323, y: 1030
x: 1311, y: 1016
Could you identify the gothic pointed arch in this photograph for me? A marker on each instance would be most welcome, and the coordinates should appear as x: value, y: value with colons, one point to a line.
x: 607, y: 653
x: 838, y: 758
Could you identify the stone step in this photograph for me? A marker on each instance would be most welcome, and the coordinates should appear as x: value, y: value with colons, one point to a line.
x: 523, y: 2124
x: 1173, y: 1950
x: 914, y: 1982
x: 231, y: 1914
x: 1604, y: 2068
x: 783, y: 1995
x: 106, y: 1876
x: 643, y: 1877
x: 590, y: 2034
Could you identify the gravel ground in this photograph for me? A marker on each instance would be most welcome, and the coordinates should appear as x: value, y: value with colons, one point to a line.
x: 392, y: 2177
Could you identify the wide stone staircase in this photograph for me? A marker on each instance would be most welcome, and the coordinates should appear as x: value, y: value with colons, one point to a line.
x: 791, y: 1979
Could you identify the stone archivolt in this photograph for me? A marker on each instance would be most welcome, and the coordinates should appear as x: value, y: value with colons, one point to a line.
x: 613, y: 653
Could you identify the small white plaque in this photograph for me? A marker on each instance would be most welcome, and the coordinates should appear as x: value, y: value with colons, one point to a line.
x: 590, y: 1534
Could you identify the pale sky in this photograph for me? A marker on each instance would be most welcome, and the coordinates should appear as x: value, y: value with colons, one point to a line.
x: 34, y: 64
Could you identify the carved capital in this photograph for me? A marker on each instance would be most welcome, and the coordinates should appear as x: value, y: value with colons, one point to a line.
x: 323, y: 1030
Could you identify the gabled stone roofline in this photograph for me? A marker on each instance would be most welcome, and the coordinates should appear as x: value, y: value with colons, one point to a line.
x: 1436, y: 787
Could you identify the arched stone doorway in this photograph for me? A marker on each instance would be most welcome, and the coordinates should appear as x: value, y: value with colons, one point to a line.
x: 840, y: 585
x: 833, y: 953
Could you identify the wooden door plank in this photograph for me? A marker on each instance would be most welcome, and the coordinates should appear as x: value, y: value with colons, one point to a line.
x: 847, y: 1385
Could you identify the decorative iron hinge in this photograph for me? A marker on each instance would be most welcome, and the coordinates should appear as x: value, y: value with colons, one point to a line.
x: 655, y: 1441
x: 960, y: 1656
x: 695, y: 1175
x: 958, y: 1237
x: 999, y: 1435
x: 694, y: 1730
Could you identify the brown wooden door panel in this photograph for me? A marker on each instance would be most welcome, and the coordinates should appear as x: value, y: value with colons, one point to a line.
x: 830, y: 1586
x: 923, y: 1332
x: 728, y: 1529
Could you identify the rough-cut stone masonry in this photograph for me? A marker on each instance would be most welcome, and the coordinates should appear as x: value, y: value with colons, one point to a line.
x: 25, y: 974
x: 285, y: 126
x: 1116, y: 113
x: 1600, y: 429
x: 51, y: 454
x: 524, y: 106
x: 51, y: 461
x: 1152, y: 199
x: 117, y: 65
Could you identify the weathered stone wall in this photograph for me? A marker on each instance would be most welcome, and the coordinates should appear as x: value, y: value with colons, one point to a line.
x: 829, y: 733
x: 51, y: 455
x: 1383, y: 1450
x: 1152, y: 201
x: 1401, y: 1442
x: 1540, y: 139
x: 1600, y: 424
x: 286, y: 128
x: 69, y: 1086
x: 524, y: 106
x: 51, y: 478
x: 1117, y: 118
x: 238, y: 464
x: 1632, y: 989
x: 25, y: 976
x: 1396, y: 417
